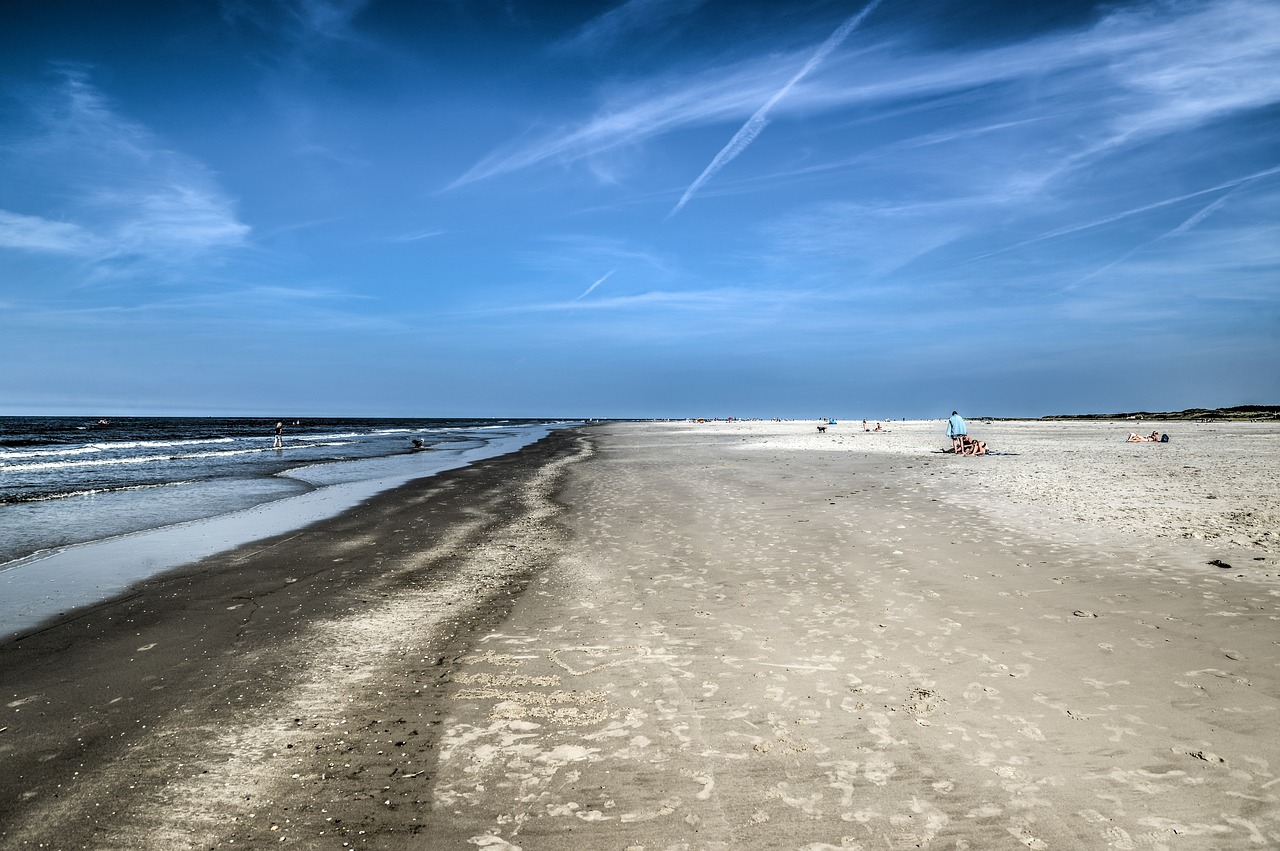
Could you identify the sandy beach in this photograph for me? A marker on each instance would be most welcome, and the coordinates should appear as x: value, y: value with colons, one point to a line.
x: 697, y: 636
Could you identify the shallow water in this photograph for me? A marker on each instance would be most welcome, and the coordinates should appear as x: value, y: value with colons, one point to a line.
x: 67, y: 480
x: 92, y: 543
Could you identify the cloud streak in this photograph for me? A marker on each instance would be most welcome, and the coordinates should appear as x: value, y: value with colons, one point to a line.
x: 592, y: 288
x: 748, y: 132
x: 415, y: 237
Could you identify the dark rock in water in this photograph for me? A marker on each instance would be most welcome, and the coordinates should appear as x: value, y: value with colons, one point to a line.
x: 1220, y: 563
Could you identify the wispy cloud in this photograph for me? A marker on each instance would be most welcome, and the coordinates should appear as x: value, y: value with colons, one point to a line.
x: 1136, y: 74
x: 297, y: 23
x: 1132, y: 211
x: 1220, y: 58
x: 1199, y: 216
x: 415, y: 237
x: 697, y: 300
x: 634, y: 118
x: 605, y: 31
x: 858, y: 244
x: 309, y: 308
x: 131, y: 197
x: 583, y: 254
x: 756, y: 123
x: 33, y: 233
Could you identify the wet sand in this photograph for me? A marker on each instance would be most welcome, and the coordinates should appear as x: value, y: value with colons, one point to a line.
x: 659, y: 636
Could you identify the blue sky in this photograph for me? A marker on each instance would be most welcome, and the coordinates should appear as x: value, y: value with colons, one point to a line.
x: 641, y: 208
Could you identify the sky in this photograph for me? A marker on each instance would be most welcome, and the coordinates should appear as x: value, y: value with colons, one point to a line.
x: 647, y: 208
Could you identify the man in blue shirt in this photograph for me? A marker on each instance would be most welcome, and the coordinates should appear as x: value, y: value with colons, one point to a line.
x: 956, y: 431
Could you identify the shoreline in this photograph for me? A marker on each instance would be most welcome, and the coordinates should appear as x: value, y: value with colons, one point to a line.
x: 656, y: 635
x: 56, y: 581
x: 221, y: 640
x: 62, y: 488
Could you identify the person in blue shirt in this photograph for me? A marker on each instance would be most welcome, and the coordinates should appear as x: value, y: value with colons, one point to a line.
x: 956, y: 431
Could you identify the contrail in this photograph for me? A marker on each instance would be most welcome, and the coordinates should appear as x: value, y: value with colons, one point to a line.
x: 1115, y: 217
x: 749, y: 131
x: 1195, y: 219
x: 596, y: 284
x: 1201, y: 215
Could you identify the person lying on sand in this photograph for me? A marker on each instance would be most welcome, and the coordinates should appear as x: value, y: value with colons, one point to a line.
x: 1134, y: 437
x: 968, y: 446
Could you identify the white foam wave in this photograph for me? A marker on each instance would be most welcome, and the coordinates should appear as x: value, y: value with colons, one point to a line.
x: 155, y: 459
x: 43, y: 453
x: 160, y: 444
x: 109, y: 446
x: 94, y: 491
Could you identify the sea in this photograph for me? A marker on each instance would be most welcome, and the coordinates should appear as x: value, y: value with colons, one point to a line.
x: 71, y: 485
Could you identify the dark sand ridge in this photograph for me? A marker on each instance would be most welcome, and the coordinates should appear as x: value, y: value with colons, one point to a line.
x: 715, y: 649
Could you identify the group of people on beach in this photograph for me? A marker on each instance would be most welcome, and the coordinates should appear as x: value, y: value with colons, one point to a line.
x: 961, y: 442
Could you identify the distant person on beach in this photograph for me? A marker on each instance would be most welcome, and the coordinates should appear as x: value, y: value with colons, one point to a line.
x: 279, y: 444
x: 864, y: 426
x: 957, y: 431
x: 1154, y: 437
x: 969, y: 446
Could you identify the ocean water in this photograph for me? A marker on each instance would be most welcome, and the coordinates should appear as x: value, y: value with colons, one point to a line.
x: 71, y: 480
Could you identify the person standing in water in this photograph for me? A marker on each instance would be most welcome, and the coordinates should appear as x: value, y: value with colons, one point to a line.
x: 279, y: 444
x: 956, y: 430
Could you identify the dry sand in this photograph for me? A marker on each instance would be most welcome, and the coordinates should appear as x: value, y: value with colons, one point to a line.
x: 716, y: 636
x: 1213, y: 481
